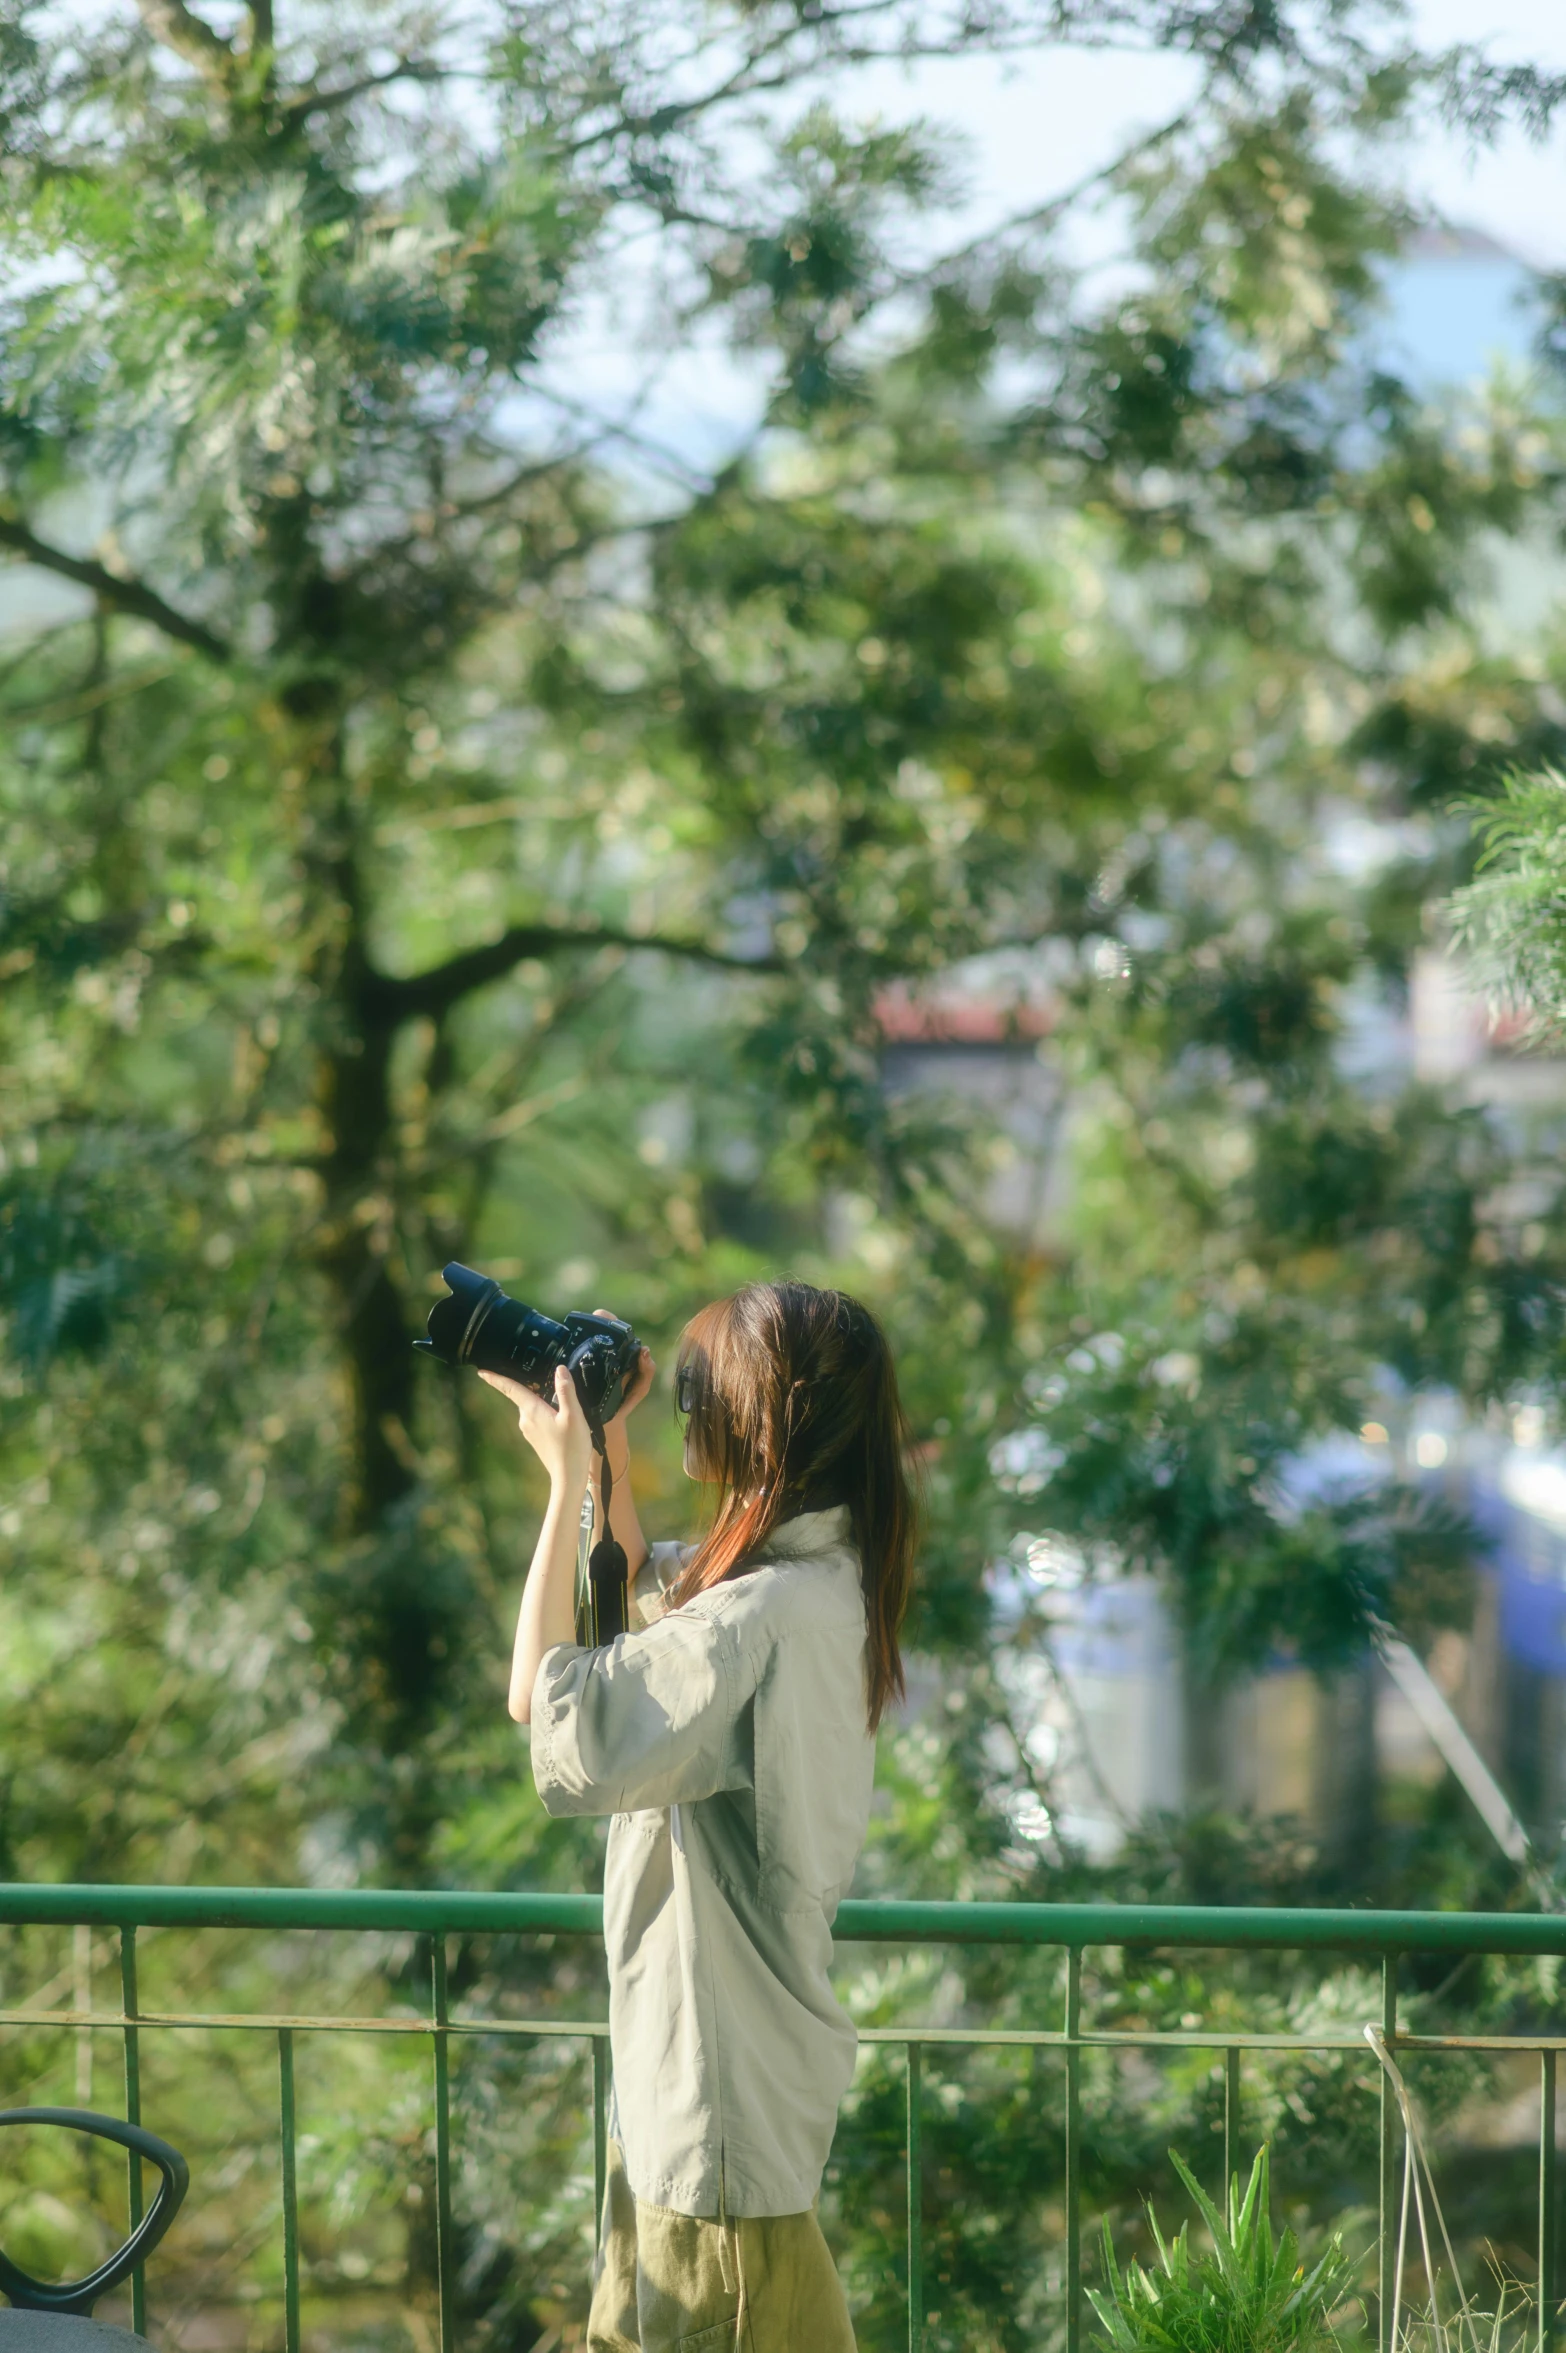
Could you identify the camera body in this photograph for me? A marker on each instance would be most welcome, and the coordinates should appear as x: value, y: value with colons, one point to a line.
x: 478, y: 1325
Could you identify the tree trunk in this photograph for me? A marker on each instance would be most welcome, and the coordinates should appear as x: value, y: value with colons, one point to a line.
x: 354, y: 1097
x: 400, y: 1610
x: 371, y: 1321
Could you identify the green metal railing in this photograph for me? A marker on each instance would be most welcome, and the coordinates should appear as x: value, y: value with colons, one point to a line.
x: 1071, y: 1928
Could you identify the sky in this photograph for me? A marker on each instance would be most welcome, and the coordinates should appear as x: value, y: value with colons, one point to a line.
x: 1517, y: 192
x: 1029, y: 128
x: 1033, y: 127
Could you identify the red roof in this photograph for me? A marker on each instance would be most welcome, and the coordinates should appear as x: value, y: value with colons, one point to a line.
x: 956, y: 1017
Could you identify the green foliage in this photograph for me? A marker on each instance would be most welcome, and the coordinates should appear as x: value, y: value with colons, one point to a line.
x: 1269, y: 1256
x: 1176, y: 1460
x: 1251, y: 2294
x: 1514, y: 912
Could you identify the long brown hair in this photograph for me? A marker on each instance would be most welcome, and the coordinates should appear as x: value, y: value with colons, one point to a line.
x: 794, y: 1407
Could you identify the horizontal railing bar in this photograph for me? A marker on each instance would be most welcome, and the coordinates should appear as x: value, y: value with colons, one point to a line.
x: 429, y: 1911
x: 423, y: 1911
x: 977, y: 2037
x: 186, y: 2020
x: 1108, y: 2038
x: 1112, y: 2038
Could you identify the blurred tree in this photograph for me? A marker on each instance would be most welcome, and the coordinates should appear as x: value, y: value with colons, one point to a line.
x: 445, y: 812
x: 409, y: 740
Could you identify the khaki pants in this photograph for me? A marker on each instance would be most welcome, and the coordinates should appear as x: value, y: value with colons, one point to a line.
x: 687, y: 2283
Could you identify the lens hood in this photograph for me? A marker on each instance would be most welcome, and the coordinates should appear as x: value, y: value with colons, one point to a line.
x: 455, y: 1322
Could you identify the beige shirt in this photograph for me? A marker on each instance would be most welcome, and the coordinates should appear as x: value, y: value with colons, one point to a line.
x: 728, y: 1739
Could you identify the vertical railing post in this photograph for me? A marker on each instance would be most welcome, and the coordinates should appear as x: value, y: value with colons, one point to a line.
x: 443, y: 2246
x: 1386, y: 2283
x: 1073, y: 2151
x: 600, y: 2129
x: 131, y: 2008
x: 81, y: 1999
x: 288, y: 2141
x: 1231, y: 2121
x: 915, y: 2200
x: 1547, y: 2288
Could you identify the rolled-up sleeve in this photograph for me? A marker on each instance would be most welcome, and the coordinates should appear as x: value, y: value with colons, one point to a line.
x: 657, y: 1573
x: 652, y: 1719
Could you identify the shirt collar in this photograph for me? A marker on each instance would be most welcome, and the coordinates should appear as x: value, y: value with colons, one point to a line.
x: 810, y: 1536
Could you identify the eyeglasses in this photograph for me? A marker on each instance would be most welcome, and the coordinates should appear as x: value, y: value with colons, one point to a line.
x: 685, y: 1391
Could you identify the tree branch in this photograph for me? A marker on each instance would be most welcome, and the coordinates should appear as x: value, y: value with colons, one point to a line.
x: 432, y: 992
x: 406, y: 69
x: 122, y: 596
x: 605, y: 429
x: 534, y: 470
x: 1045, y: 215
x: 745, y: 77
x: 172, y: 23
x: 830, y: 32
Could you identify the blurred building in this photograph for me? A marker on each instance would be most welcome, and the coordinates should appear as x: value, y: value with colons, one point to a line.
x: 1108, y: 1708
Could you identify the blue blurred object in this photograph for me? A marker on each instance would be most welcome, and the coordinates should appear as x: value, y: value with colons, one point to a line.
x: 1519, y: 1507
x: 1456, y: 302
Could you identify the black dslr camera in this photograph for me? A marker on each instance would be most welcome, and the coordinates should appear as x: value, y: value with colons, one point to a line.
x: 480, y: 1326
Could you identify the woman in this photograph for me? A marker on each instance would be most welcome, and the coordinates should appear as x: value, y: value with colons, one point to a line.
x: 731, y: 1735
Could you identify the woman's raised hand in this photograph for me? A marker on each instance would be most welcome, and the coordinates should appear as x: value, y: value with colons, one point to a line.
x: 641, y: 1382
x: 557, y: 1432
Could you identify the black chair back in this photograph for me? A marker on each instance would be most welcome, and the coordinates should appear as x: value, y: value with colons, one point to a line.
x: 79, y: 2296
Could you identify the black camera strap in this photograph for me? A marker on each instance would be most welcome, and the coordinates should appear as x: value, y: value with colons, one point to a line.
x: 609, y: 1602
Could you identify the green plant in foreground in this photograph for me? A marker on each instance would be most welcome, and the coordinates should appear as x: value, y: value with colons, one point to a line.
x: 1250, y: 2295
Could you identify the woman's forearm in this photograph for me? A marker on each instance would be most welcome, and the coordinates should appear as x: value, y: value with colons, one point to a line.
x: 548, y: 1612
x: 623, y: 1519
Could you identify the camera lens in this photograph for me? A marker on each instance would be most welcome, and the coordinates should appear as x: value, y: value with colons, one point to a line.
x: 479, y: 1325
